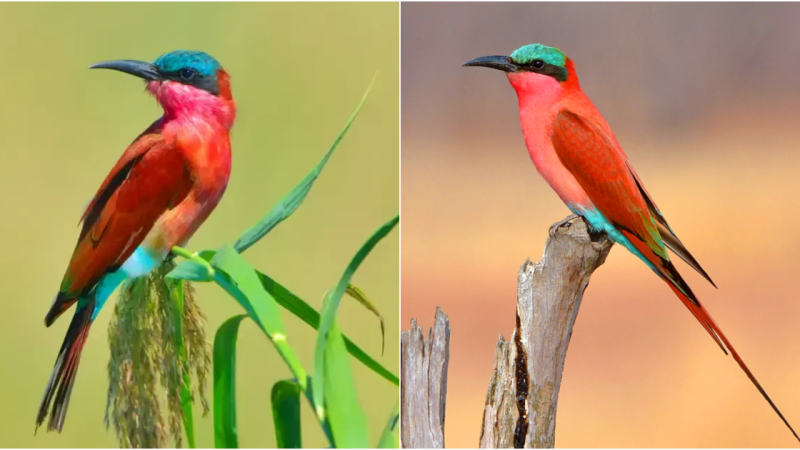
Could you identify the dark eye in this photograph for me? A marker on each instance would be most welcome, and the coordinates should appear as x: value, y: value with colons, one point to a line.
x: 187, y: 74
x: 538, y: 64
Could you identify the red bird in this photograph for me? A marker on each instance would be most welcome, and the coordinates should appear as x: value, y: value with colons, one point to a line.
x: 578, y: 155
x: 158, y: 194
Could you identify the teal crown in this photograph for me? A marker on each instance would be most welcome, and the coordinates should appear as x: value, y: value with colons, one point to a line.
x: 202, y: 62
x: 530, y: 53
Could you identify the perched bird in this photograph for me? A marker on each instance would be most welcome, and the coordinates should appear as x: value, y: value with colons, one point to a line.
x: 161, y: 190
x: 576, y: 152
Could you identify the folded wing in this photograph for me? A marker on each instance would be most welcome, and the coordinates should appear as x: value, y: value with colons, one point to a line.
x: 150, y: 178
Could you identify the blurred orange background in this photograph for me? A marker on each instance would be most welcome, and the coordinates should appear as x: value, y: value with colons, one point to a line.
x: 703, y: 99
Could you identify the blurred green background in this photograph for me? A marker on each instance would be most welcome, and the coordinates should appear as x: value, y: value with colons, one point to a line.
x: 298, y: 71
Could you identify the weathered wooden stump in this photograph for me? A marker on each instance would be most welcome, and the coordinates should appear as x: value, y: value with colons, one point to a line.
x: 424, y: 383
x: 522, y: 398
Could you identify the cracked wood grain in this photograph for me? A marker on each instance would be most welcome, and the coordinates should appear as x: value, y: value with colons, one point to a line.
x: 522, y: 398
x: 424, y: 383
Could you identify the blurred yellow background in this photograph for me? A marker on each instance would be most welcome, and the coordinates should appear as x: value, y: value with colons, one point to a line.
x: 298, y: 71
x: 703, y: 98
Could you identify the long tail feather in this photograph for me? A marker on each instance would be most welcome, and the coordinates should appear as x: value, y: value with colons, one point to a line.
x: 713, y: 329
x: 59, y: 386
x: 667, y: 271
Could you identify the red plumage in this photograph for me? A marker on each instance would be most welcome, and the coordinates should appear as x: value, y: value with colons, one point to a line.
x: 150, y: 178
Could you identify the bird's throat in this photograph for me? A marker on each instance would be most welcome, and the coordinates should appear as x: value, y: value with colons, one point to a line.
x: 537, y: 93
x: 184, y: 103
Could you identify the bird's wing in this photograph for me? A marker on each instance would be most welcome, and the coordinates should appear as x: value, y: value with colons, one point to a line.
x: 602, y: 172
x: 150, y: 178
x: 611, y: 182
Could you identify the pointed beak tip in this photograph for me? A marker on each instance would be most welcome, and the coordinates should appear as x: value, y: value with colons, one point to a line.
x: 139, y: 69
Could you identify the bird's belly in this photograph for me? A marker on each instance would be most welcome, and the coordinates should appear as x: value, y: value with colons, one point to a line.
x: 557, y: 176
x: 140, y: 263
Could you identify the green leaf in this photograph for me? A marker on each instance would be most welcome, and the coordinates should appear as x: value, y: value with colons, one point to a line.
x: 286, y: 413
x: 342, y: 409
x: 390, y: 435
x: 240, y: 280
x: 309, y: 315
x: 189, y: 270
x: 176, y: 290
x: 193, y: 270
x: 327, y: 361
x: 225, y: 434
x: 358, y: 294
x: 326, y: 427
x: 288, y: 204
x: 248, y: 290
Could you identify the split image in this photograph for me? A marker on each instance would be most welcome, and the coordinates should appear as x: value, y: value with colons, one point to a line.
x: 400, y: 224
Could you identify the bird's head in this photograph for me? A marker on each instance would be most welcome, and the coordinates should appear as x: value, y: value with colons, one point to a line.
x: 181, y: 80
x: 534, y: 69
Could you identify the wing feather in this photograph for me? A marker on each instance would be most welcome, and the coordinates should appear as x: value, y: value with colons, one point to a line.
x: 150, y: 178
x: 670, y: 239
x: 602, y: 173
x: 611, y: 182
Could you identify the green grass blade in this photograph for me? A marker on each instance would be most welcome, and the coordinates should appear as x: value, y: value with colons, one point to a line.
x: 177, y: 293
x: 239, y: 279
x: 342, y: 409
x: 248, y: 290
x: 298, y: 307
x: 360, y: 297
x: 192, y: 270
x: 225, y: 434
x: 286, y: 413
x: 326, y: 426
x: 288, y: 204
x: 390, y: 438
x: 309, y: 315
x: 189, y: 270
x: 328, y: 318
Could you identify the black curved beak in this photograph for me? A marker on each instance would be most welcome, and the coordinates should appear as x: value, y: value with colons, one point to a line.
x: 503, y: 63
x: 140, y: 69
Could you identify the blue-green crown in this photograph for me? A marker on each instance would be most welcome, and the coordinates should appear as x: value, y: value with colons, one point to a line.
x: 202, y: 62
x: 529, y: 53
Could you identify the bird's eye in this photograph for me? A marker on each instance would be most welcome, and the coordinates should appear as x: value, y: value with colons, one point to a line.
x: 187, y: 74
x: 538, y: 64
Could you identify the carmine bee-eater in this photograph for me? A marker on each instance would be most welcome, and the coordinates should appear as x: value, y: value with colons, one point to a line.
x: 161, y: 190
x: 576, y: 152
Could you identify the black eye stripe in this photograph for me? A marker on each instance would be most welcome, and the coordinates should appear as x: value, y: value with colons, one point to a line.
x: 192, y: 77
x: 184, y: 75
x: 552, y: 70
